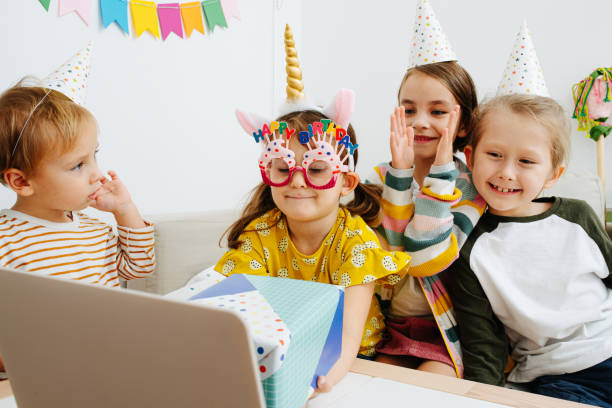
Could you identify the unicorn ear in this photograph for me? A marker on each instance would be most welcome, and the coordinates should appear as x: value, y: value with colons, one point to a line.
x: 341, y: 108
x: 250, y: 122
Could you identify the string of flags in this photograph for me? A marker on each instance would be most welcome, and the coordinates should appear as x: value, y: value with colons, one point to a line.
x: 163, y: 18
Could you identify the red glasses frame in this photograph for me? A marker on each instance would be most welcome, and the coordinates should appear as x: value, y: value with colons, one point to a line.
x: 330, y: 184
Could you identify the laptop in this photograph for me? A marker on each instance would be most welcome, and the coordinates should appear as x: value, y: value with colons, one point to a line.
x: 69, y: 344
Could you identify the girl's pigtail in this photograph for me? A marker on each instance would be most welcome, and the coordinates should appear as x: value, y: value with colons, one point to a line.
x: 260, y: 203
x: 366, y: 203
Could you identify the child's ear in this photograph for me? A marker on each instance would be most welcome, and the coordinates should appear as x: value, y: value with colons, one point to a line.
x: 468, y: 152
x: 350, y: 182
x: 555, y: 177
x: 18, y: 182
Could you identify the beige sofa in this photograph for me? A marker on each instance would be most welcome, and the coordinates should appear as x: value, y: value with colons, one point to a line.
x: 188, y: 243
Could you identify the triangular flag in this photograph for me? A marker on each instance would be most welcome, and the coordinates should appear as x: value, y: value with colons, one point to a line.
x: 144, y: 17
x: 115, y: 11
x: 82, y: 8
x: 71, y: 77
x: 45, y: 4
x: 230, y: 9
x: 192, y: 17
x: 214, y: 14
x: 429, y: 43
x: 170, y: 19
x: 523, y: 73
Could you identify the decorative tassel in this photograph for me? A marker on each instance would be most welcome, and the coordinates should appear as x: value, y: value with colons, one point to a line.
x: 581, y: 92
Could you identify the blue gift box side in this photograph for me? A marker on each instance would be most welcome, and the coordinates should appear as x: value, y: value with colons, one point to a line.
x: 333, y: 344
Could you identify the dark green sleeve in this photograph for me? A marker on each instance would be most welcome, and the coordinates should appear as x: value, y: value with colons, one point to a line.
x: 482, y: 336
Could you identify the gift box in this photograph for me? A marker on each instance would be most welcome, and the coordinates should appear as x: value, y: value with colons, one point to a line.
x: 296, y: 328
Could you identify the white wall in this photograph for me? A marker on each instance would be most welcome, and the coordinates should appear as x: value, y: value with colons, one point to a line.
x: 166, y: 108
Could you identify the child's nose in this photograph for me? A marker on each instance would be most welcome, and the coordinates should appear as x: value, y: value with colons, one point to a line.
x: 420, y: 121
x: 297, y: 179
x: 507, y: 171
x: 96, y: 174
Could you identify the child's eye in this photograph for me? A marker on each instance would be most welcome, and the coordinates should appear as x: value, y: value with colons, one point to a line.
x: 409, y: 111
x: 527, y: 161
x: 438, y: 112
x: 78, y: 166
x: 494, y: 155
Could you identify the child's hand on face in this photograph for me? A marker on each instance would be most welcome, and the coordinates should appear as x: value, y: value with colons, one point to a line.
x: 444, y: 153
x: 401, y: 141
x: 112, y: 196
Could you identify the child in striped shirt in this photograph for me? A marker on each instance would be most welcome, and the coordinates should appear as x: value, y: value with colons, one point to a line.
x: 430, y: 205
x: 48, y: 146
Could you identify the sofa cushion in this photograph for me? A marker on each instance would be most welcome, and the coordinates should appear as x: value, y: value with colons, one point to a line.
x: 185, y: 244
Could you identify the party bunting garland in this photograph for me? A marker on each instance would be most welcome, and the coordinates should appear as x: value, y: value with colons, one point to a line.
x: 178, y: 18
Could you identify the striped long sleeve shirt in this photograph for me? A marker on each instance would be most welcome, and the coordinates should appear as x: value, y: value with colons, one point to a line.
x: 430, y: 224
x: 85, y: 249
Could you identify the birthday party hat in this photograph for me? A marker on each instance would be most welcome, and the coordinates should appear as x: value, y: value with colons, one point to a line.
x: 71, y: 78
x: 523, y: 73
x: 429, y: 43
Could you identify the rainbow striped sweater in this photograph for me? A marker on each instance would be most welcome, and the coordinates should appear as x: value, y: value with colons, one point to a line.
x: 431, y: 224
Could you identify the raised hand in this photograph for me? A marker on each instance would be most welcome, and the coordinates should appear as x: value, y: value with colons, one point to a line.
x: 114, y: 197
x: 401, y: 141
x: 444, y: 153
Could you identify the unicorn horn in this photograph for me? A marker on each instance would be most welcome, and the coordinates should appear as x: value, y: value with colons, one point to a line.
x: 295, y: 86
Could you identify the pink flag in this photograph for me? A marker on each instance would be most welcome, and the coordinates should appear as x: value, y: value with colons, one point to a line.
x: 82, y: 7
x: 230, y: 9
x: 170, y: 19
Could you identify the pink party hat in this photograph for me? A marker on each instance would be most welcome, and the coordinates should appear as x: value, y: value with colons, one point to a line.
x: 429, y: 43
x: 71, y: 78
x: 523, y: 73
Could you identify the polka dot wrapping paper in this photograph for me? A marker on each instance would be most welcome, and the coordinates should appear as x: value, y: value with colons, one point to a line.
x: 296, y: 327
x: 429, y: 43
x: 270, y: 334
x: 523, y: 74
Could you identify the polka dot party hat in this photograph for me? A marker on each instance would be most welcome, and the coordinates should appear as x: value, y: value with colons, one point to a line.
x: 71, y: 78
x: 429, y: 43
x: 523, y: 73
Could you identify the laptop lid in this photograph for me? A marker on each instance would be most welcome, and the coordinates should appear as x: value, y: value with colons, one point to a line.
x: 70, y: 344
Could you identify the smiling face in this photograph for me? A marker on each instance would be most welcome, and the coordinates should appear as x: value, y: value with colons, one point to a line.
x: 64, y: 182
x: 427, y: 103
x: 512, y: 163
x: 301, y: 203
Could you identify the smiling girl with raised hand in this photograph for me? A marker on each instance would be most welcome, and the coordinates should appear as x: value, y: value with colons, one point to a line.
x: 429, y: 202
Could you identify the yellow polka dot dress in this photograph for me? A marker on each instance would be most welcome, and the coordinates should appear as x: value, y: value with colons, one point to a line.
x: 349, y: 255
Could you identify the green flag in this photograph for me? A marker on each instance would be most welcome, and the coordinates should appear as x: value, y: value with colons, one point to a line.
x: 214, y: 14
x: 45, y: 4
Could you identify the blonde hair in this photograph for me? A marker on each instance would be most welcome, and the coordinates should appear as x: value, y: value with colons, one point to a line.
x: 366, y: 201
x: 52, y: 126
x: 543, y: 110
x: 459, y: 83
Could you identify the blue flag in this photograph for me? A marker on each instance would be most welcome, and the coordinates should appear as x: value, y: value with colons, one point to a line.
x: 115, y: 11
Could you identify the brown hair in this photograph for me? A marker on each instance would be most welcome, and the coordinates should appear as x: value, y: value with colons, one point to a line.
x: 545, y: 111
x: 366, y: 201
x: 53, y: 126
x: 459, y: 82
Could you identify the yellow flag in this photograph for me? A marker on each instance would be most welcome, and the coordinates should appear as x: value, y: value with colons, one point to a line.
x: 144, y: 15
x: 192, y: 17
